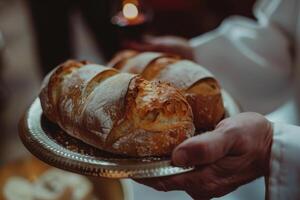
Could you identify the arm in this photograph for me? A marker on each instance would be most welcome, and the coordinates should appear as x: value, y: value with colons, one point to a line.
x: 284, y: 180
x: 241, y: 149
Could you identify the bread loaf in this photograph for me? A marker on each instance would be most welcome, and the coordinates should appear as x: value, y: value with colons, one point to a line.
x: 198, y: 84
x: 117, y: 112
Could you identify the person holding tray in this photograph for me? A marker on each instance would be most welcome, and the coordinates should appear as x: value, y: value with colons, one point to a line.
x: 254, y: 61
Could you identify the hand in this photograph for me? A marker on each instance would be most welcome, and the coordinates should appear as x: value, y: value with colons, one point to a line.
x: 235, y: 153
x: 167, y: 44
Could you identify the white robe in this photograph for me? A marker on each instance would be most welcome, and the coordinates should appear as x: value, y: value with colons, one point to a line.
x: 255, y: 61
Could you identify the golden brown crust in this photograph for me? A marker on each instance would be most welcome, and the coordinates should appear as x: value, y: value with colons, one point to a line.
x: 183, y: 74
x: 105, y: 106
x: 143, y: 144
x: 157, y: 116
x: 118, y: 60
x: 116, y: 112
x: 156, y: 66
x: 200, y: 87
x: 206, y: 100
x: 140, y: 61
x: 51, y: 87
x: 72, y: 80
x: 73, y: 96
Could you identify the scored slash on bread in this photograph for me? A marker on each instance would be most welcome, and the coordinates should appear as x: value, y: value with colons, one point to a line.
x: 198, y: 84
x: 117, y: 112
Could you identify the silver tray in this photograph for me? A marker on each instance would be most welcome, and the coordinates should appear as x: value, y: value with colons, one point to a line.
x: 50, y: 144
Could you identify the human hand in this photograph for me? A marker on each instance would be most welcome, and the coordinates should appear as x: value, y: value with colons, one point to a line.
x: 166, y: 44
x: 235, y: 153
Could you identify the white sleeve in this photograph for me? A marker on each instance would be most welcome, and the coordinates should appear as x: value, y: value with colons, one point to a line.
x: 250, y: 58
x: 281, y: 13
x: 284, y: 180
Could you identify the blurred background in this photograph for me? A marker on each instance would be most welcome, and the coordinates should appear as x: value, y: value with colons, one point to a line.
x: 37, y: 35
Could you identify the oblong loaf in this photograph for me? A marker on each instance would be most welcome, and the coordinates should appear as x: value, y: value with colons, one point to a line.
x: 198, y: 84
x: 117, y: 112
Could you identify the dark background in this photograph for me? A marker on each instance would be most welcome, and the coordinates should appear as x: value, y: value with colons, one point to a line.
x: 39, y: 34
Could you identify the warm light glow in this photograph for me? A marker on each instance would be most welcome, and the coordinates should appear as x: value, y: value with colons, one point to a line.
x: 130, y: 11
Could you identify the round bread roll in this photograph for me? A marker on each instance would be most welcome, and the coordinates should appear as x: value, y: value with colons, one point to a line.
x: 199, y: 86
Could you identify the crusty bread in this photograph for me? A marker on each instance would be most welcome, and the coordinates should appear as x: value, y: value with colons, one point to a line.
x: 198, y: 84
x: 117, y: 112
x: 119, y: 57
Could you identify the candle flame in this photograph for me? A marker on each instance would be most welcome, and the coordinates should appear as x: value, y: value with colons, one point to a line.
x: 130, y: 11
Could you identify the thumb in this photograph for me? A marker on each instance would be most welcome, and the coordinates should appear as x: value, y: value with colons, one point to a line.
x: 202, y: 149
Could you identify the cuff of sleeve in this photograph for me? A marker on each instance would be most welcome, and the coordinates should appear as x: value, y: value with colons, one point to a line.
x: 284, y: 179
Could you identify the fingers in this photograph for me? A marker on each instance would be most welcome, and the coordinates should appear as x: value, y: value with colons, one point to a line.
x: 202, y: 149
x: 237, y: 135
x: 230, y: 157
x: 200, y: 184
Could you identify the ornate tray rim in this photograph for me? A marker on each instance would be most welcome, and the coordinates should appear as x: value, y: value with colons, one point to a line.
x: 39, y: 144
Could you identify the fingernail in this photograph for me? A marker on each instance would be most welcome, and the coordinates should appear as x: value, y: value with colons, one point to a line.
x: 180, y: 158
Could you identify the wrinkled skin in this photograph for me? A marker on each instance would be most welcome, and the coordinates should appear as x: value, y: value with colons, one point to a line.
x: 235, y: 153
x: 167, y: 44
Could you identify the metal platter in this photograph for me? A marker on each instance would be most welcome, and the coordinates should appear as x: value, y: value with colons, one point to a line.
x: 50, y: 144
